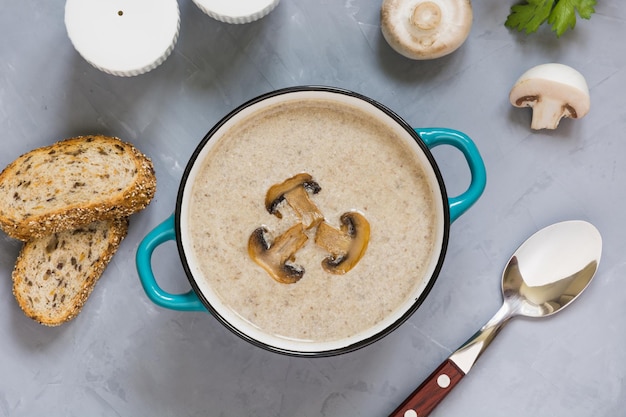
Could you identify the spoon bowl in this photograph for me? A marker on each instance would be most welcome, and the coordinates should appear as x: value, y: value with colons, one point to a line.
x: 544, y: 275
x: 551, y: 269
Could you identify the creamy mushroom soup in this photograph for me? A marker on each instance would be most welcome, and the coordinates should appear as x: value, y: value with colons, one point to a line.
x: 360, y: 167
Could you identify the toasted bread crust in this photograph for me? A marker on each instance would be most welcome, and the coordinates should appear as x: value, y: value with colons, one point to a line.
x: 54, y: 275
x: 54, y: 160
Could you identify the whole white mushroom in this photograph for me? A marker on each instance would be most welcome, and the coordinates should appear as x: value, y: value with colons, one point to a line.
x: 553, y: 91
x: 425, y: 29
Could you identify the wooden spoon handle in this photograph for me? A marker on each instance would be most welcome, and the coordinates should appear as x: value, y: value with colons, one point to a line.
x: 432, y: 391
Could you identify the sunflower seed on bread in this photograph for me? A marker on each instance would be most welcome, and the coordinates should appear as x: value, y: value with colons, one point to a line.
x: 55, y: 274
x: 72, y: 183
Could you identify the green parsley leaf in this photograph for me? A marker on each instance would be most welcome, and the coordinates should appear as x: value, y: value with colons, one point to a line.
x: 560, y: 14
x: 528, y: 17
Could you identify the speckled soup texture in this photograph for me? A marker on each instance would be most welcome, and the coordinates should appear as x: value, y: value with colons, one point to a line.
x: 360, y: 165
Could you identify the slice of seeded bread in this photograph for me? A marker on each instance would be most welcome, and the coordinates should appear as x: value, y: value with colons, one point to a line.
x: 54, y: 275
x: 72, y: 183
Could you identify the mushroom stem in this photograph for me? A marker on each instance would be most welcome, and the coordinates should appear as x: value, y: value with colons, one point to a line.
x: 305, y: 209
x: 426, y: 16
x: 548, y: 113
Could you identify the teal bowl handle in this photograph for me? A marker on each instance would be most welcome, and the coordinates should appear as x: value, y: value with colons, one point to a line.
x: 164, y: 232
x: 441, y: 136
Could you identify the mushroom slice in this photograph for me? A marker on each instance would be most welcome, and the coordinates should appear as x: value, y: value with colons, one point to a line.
x: 295, y: 191
x: 553, y: 91
x: 276, y: 258
x: 346, y: 245
x: 425, y: 29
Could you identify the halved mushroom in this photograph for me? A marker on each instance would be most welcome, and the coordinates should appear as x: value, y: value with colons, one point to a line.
x: 295, y: 191
x: 553, y: 91
x: 425, y: 29
x: 346, y: 245
x: 277, y: 258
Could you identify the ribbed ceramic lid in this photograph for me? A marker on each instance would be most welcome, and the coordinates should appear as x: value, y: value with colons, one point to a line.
x: 123, y: 37
x: 236, y: 11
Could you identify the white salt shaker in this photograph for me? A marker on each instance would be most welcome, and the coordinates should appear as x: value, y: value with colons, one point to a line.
x: 123, y: 37
x: 236, y: 11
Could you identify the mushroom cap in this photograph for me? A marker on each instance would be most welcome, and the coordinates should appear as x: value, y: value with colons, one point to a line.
x: 425, y: 29
x: 556, y: 83
x: 556, y: 80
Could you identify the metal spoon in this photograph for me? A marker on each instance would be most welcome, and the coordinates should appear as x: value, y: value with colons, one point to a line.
x: 544, y: 275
